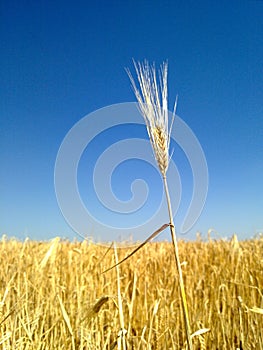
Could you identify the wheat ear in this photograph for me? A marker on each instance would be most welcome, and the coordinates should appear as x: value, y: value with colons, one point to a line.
x: 152, y: 100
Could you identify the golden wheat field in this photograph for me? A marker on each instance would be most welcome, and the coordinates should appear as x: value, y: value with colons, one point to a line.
x: 54, y: 295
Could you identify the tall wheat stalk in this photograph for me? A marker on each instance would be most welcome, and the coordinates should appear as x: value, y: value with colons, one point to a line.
x: 152, y: 99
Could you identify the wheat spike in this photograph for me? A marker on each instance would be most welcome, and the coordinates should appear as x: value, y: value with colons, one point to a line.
x: 153, y: 106
x: 95, y: 308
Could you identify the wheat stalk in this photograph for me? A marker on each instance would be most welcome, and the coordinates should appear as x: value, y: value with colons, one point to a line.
x: 153, y: 104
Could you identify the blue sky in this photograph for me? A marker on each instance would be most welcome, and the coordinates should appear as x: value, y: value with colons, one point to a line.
x: 60, y: 61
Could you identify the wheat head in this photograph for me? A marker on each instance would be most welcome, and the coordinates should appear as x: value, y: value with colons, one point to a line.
x: 153, y: 106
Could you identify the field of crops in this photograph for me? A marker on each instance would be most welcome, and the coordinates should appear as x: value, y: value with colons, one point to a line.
x: 54, y: 295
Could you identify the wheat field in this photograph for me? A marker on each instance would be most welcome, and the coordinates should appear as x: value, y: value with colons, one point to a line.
x: 54, y: 295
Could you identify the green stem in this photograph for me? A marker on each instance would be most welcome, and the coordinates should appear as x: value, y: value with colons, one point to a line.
x: 178, y: 265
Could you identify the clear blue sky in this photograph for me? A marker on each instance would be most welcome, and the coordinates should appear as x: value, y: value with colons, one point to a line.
x: 63, y: 60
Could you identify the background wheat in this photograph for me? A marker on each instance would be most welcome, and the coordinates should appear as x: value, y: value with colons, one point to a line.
x: 66, y: 303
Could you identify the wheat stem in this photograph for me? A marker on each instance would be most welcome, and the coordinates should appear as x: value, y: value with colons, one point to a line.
x: 121, y: 335
x: 178, y: 265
